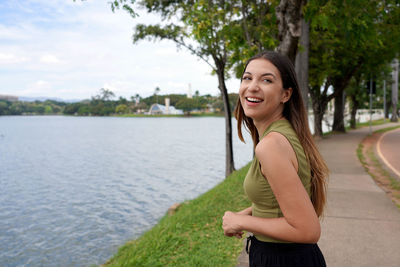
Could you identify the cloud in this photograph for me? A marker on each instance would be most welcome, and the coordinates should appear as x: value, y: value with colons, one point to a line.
x: 37, y: 88
x: 8, y: 58
x: 50, y: 59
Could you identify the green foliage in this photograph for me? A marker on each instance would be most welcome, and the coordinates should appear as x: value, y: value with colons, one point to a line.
x: 124, y: 4
x: 255, y: 30
x: 121, y: 109
x: 189, y: 104
x: 349, y: 39
x: 193, y: 235
x: 31, y: 108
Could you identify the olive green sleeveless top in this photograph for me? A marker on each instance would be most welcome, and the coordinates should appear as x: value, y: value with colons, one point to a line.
x: 256, y: 186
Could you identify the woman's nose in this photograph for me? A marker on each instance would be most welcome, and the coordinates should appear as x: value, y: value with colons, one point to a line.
x: 253, y: 86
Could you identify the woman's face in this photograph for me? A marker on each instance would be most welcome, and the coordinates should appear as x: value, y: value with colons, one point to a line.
x: 261, y: 91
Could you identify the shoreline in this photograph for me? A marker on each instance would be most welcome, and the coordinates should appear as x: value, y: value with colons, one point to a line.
x: 192, y: 235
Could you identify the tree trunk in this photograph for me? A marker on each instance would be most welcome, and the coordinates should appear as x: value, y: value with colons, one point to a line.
x: 288, y: 15
x: 339, y: 84
x: 388, y: 103
x: 354, y: 108
x: 395, y: 89
x: 302, y: 61
x: 318, y: 117
x: 319, y: 105
x: 338, y: 117
x: 229, y: 163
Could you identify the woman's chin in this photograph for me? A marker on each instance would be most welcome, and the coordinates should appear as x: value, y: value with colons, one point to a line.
x: 250, y: 114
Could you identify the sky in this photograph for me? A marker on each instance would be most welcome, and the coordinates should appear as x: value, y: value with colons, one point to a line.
x: 70, y: 50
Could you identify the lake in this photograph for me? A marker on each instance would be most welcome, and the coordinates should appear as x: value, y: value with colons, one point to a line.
x: 74, y: 189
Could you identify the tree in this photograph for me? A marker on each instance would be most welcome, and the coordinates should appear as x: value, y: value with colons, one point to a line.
x: 121, y: 109
x: 205, y: 33
x: 105, y: 95
x: 122, y: 100
x: 156, y: 92
x: 83, y: 110
x: 3, y: 107
x: 339, y: 51
x: 187, y: 104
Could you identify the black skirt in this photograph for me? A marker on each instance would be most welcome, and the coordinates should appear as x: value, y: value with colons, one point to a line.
x: 263, y: 254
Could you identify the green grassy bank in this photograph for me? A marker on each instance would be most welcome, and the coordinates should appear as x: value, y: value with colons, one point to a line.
x: 193, y: 236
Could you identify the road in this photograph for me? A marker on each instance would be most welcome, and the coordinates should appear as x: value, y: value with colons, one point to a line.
x: 388, y: 148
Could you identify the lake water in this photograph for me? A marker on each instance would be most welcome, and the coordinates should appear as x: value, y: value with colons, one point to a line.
x: 74, y: 189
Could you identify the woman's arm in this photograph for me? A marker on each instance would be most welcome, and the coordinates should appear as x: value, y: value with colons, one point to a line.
x: 299, y: 222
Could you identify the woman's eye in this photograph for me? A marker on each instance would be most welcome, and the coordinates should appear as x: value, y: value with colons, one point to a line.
x: 267, y: 80
x: 246, y: 78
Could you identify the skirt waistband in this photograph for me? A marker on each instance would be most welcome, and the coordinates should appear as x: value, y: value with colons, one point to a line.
x: 275, y: 248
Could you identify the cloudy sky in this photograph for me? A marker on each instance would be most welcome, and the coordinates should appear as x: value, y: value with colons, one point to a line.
x: 69, y: 50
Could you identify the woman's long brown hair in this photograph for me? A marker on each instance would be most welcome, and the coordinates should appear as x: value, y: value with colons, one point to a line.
x: 295, y: 112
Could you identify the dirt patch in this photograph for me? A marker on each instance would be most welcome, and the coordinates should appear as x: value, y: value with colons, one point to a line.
x: 367, y: 154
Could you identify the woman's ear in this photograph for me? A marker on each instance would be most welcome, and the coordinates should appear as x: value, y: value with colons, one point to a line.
x: 287, y: 93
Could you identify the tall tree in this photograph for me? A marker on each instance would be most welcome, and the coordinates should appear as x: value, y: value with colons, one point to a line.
x: 105, y: 94
x: 203, y: 28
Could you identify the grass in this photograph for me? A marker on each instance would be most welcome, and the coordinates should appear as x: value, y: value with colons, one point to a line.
x: 358, y: 125
x: 192, y: 236
x: 386, y: 129
x: 373, y: 123
x: 375, y: 169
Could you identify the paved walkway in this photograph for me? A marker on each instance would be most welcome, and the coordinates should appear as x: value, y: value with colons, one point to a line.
x: 362, y: 225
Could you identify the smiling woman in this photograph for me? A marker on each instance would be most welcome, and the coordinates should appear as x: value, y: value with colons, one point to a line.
x: 286, y: 180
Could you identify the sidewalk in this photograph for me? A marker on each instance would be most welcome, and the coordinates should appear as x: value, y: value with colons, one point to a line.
x: 361, y: 225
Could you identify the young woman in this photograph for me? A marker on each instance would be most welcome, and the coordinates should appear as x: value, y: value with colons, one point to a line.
x: 286, y: 182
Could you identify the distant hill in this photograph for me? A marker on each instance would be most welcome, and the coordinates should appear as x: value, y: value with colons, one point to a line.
x: 43, y: 98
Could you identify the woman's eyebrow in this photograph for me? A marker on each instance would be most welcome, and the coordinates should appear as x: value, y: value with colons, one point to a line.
x: 268, y: 74
x: 262, y: 75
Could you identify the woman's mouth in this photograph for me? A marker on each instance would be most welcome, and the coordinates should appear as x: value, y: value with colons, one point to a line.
x: 253, y: 100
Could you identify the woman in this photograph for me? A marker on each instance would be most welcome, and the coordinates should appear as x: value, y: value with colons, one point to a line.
x: 286, y: 181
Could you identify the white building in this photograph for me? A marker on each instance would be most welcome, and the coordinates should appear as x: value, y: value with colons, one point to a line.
x: 158, y: 109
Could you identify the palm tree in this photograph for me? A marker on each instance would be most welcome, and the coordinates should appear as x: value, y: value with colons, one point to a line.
x: 156, y: 91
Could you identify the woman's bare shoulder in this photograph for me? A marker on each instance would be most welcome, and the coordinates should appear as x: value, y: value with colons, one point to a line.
x: 274, y: 144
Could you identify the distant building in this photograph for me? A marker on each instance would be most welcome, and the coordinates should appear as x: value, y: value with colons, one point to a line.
x: 158, y: 109
x: 10, y: 98
x: 189, y: 94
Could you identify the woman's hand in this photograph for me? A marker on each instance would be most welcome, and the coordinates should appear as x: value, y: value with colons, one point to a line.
x: 247, y: 211
x: 230, y: 224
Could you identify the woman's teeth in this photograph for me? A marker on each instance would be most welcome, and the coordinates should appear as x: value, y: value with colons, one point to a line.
x: 254, y: 100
